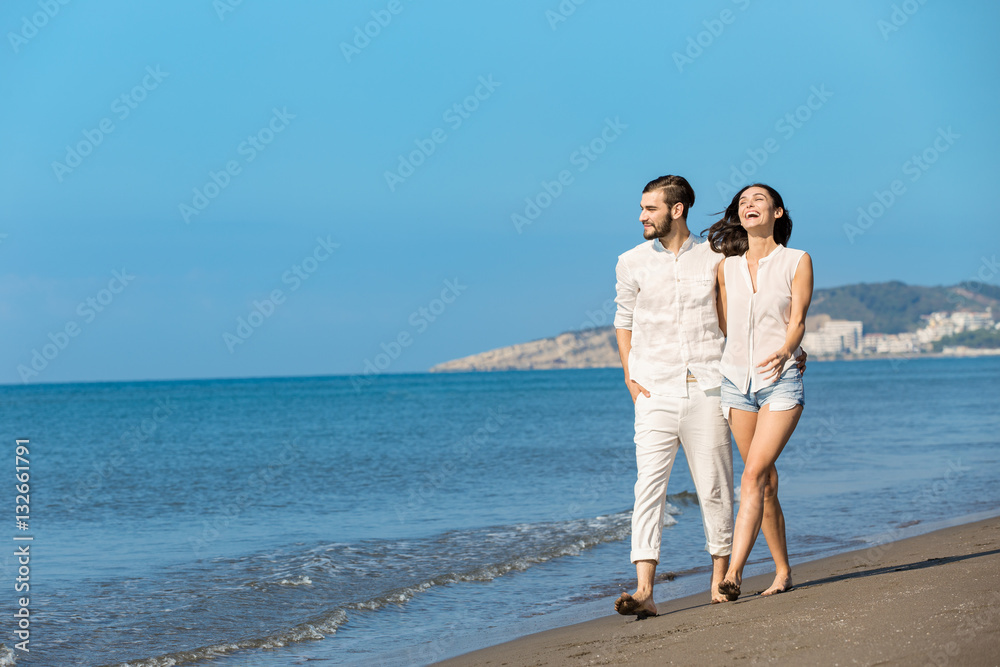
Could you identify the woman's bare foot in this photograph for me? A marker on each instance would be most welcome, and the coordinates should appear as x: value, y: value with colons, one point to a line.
x: 640, y: 607
x: 730, y: 589
x: 782, y: 583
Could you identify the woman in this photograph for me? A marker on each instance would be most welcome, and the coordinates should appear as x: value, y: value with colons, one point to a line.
x: 764, y: 293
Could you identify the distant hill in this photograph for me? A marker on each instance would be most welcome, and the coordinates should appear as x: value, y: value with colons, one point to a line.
x: 892, y: 307
x: 895, y: 307
x: 589, y: 348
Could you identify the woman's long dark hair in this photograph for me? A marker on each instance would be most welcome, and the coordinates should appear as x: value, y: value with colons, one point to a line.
x: 728, y: 236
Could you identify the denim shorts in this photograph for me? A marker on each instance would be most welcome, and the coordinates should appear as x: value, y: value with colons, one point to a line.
x: 784, y: 394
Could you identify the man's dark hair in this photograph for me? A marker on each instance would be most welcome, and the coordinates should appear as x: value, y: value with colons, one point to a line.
x: 676, y: 190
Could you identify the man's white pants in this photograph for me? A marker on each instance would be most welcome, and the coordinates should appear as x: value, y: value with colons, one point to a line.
x: 697, y: 424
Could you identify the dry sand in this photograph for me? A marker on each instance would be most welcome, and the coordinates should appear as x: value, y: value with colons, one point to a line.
x: 933, y: 599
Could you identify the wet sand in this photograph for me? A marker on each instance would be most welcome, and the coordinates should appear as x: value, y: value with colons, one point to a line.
x: 932, y: 599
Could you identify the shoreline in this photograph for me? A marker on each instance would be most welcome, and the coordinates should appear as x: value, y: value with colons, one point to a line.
x: 986, y: 352
x: 972, y: 354
x: 930, y: 599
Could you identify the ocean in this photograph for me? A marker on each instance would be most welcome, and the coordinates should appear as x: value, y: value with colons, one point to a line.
x: 410, y: 518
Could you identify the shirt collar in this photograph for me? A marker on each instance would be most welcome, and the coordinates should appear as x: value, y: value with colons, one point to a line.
x: 773, y: 253
x: 689, y: 242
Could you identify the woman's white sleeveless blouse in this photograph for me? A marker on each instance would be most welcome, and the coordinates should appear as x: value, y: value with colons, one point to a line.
x: 757, y: 323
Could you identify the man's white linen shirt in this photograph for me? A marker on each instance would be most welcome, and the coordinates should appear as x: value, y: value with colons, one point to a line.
x: 668, y: 301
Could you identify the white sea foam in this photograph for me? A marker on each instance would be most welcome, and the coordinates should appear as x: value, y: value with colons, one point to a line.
x: 302, y: 632
x: 519, y: 547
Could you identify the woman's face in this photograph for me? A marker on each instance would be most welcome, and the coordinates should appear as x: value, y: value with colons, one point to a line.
x: 757, y: 210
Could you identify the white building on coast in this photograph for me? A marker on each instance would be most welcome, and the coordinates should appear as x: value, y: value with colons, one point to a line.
x: 827, y: 336
x: 903, y: 343
x: 943, y: 324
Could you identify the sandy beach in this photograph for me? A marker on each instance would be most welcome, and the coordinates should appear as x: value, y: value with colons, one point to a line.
x: 933, y: 599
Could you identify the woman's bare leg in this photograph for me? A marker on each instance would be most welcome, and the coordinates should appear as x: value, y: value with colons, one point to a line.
x: 770, y: 433
x: 773, y: 527
x: 742, y: 424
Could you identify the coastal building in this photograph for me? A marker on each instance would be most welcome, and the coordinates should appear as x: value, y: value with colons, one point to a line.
x: 903, y: 343
x: 849, y: 332
x: 834, y: 337
x: 942, y: 324
x: 972, y: 321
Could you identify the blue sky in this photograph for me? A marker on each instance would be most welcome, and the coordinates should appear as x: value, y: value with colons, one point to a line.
x: 122, y: 118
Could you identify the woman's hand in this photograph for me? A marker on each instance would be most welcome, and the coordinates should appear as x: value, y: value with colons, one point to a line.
x: 773, y: 365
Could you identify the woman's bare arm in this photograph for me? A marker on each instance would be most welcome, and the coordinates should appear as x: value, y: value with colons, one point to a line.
x: 802, y: 289
x: 720, y: 295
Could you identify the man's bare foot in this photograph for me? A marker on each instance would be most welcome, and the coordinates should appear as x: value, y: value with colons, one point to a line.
x: 717, y: 596
x: 626, y: 605
x: 782, y: 583
x: 730, y: 589
x: 720, y: 565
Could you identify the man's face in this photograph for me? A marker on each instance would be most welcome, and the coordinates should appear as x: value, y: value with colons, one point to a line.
x: 655, y: 215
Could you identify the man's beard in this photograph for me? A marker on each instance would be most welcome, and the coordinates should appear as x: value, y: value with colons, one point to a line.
x: 659, y: 232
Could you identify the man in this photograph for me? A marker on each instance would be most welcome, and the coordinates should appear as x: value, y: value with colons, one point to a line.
x: 670, y: 343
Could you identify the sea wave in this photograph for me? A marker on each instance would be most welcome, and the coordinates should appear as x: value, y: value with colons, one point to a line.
x: 315, y: 629
x: 512, y: 548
